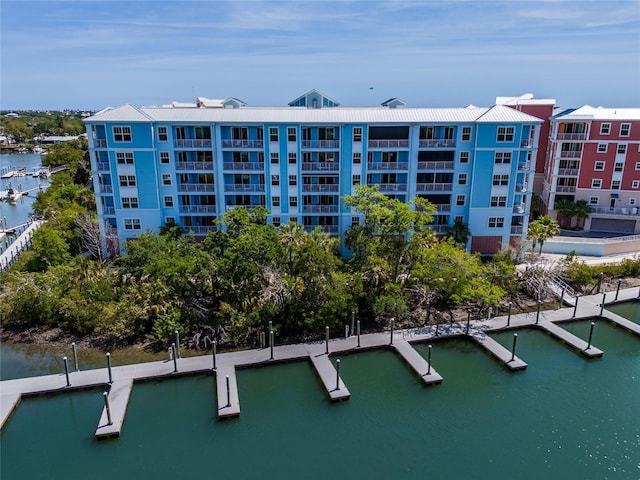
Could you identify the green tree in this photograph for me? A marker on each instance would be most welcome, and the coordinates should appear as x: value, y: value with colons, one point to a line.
x: 581, y: 210
x: 541, y: 230
x: 459, y: 232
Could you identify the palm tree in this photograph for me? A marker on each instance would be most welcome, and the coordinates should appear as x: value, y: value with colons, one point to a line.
x: 292, y: 235
x: 459, y: 232
x: 581, y: 210
x: 565, y: 210
x: 542, y: 229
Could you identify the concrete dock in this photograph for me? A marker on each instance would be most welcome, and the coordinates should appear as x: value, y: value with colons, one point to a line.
x: 317, y: 353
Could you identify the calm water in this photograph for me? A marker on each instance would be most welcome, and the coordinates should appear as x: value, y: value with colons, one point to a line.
x: 565, y: 417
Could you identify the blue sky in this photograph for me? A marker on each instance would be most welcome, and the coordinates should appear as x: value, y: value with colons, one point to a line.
x: 92, y: 54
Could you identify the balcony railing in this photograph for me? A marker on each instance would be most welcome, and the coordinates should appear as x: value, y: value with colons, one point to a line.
x: 568, y: 172
x: 439, y: 228
x: 106, y: 188
x: 247, y: 207
x: 315, y: 187
x: 571, y: 136
x: 194, y: 143
x: 244, y: 165
x: 321, y: 144
x: 392, y: 143
x: 434, y: 187
x: 521, y: 187
x: 393, y: 187
x: 526, y: 143
x: 108, y: 211
x: 196, y: 187
x: 518, y: 209
x: 443, y: 207
x: 387, y: 165
x: 197, y: 208
x: 330, y: 229
x: 235, y: 143
x: 614, y: 211
x: 201, y: 230
x: 524, y: 166
x: 570, y: 154
x: 324, y: 166
x: 103, y: 166
x: 516, y: 229
x: 320, y: 208
x: 257, y: 187
x: 565, y: 188
x: 99, y: 143
x: 435, y: 165
x: 194, y: 166
x: 437, y: 143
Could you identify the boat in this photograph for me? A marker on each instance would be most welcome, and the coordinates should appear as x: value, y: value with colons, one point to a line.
x: 4, y: 194
x: 14, y: 195
x: 21, y: 172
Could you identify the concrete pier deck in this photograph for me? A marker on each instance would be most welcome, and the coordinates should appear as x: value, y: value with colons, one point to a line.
x: 125, y: 377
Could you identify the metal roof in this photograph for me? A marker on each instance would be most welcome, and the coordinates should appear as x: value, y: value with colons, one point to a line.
x: 587, y: 112
x: 333, y: 115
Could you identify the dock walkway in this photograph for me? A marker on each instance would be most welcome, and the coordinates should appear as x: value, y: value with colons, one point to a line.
x: 225, y: 365
x: 8, y: 256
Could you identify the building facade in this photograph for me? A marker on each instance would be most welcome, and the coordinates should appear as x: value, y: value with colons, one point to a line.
x: 593, y: 155
x: 189, y: 163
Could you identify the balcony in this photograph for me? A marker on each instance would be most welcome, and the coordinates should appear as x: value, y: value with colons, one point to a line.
x: 570, y: 154
x: 194, y: 143
x: 194, y: 166
x: 244, y: 143
x: 516, y: 229
x: 524, y: 166
x: 443, y: 207
x: 614, y: 211
x: 439, y: 228
x: 321, y: 166
x: 387, y: 165
x: 197, y: 209
x: 99, y: 143
x: 321, y: 144
x: 568, y: 172
x: 393, y: 187
x: 247, y: 207
x: 521, y: 187
x: 437, y: 143
x: 106, y: 188
x: 244, y: 165
x: 315, y: 187
x: 518, y: 209
x: 257, y: 187
x: 565, y: 189
x: 108, y: 211
x: 196, y: 187
x: 435, y: 165
x: 330, y: 229
x: 434, y: 187
x: 526, y: 143
x: 201, y: 230
x: 571, y: 136
x: 102, y: 166
x: 320, y: 208
x: 392, y: 143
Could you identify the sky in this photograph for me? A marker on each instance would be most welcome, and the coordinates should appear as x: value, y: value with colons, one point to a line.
x: 85, y: 54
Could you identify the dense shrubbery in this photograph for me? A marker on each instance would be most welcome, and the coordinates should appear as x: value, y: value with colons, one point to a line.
x: 581, y: 275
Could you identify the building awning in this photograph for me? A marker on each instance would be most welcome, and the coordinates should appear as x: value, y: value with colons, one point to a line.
x: 614, y: 195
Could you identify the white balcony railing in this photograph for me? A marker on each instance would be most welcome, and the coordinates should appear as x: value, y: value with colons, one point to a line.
x: 244, y: 143
x: 614, y: 211
x: 197, y: 209
x: 196, y: 187
x: 528, y: 143
x: 435, y: 165
x: 571, y: 136
x: 393, y: 187
x: 257, y: 187
x: 319, y: 144
x: 106, y: 189
x: 108, y: 211
x: 194, y: 166
x: 437, y: 143
x: 518, y: 208
x: 524, y: 166
x: 516, y: 229
x: 243, y: 165
x: 330, y: 229
x: 568, y: 172
x: 565, y: 188
x: 387, y: 165
x: 103, y: 166
x: 194, y: 143
x: 320, y: 208
x: 434, y: 187
x: 324, y: 166
x: 99, y: 143
x: 201, y: 230
x: 390, y: 143
x: 570, y: 154
x: 315, y: 187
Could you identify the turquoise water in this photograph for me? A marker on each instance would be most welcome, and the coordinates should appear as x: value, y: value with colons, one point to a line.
x: 564, y: 417
x: 628, y: 310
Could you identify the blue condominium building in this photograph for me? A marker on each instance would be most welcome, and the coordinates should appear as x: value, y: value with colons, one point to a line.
x: 188, y: 163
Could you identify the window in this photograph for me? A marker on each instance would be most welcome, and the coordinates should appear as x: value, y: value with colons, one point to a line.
x: 357, y: 158
x: 129, y: 202
x: 503, y: 157
x: 164, y: 157
x: 273, y: 134
x: 596, y: 183
x: 464, y: 157
x: 615, y: 185
x: 275, y: 201
x: 293, y: 180
x: 356, y: 180
x: 168, y: 201
x: 637, y: 165
x: 293, y: 201
x: 496, y: 222
x: 127, y: 180
x: 635, y: 184
x: 124, y: 158
x: 293, y: 158
x: 122, y: 134
x: 594, y: 200
x: 162, y: 134
x: 501, y: 180
x: 622, y: 148
x: 500, y: 201
x: 357, y: 134
x: 355, y: 221
x: 602, y: 148
x: 466, y: 134
x: 619, y: 166
x: 599, y: 166
x: 605, y: 128
x: 276, y: 221
x: 291, y: 134
x: 458, y: 218
x: 275, y: 180
x: 169, y: 220
x: 293, y: 219
x: 462, y: 179
x: 505, y: 134
x: 632, y: 201
x: 460, y: 200
x: 275, y: 158
x: 166, y: 179
x: 625, y: 128
x: 132, y: 224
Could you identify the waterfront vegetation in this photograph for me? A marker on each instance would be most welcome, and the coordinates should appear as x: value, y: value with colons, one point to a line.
x: 248, y: 272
